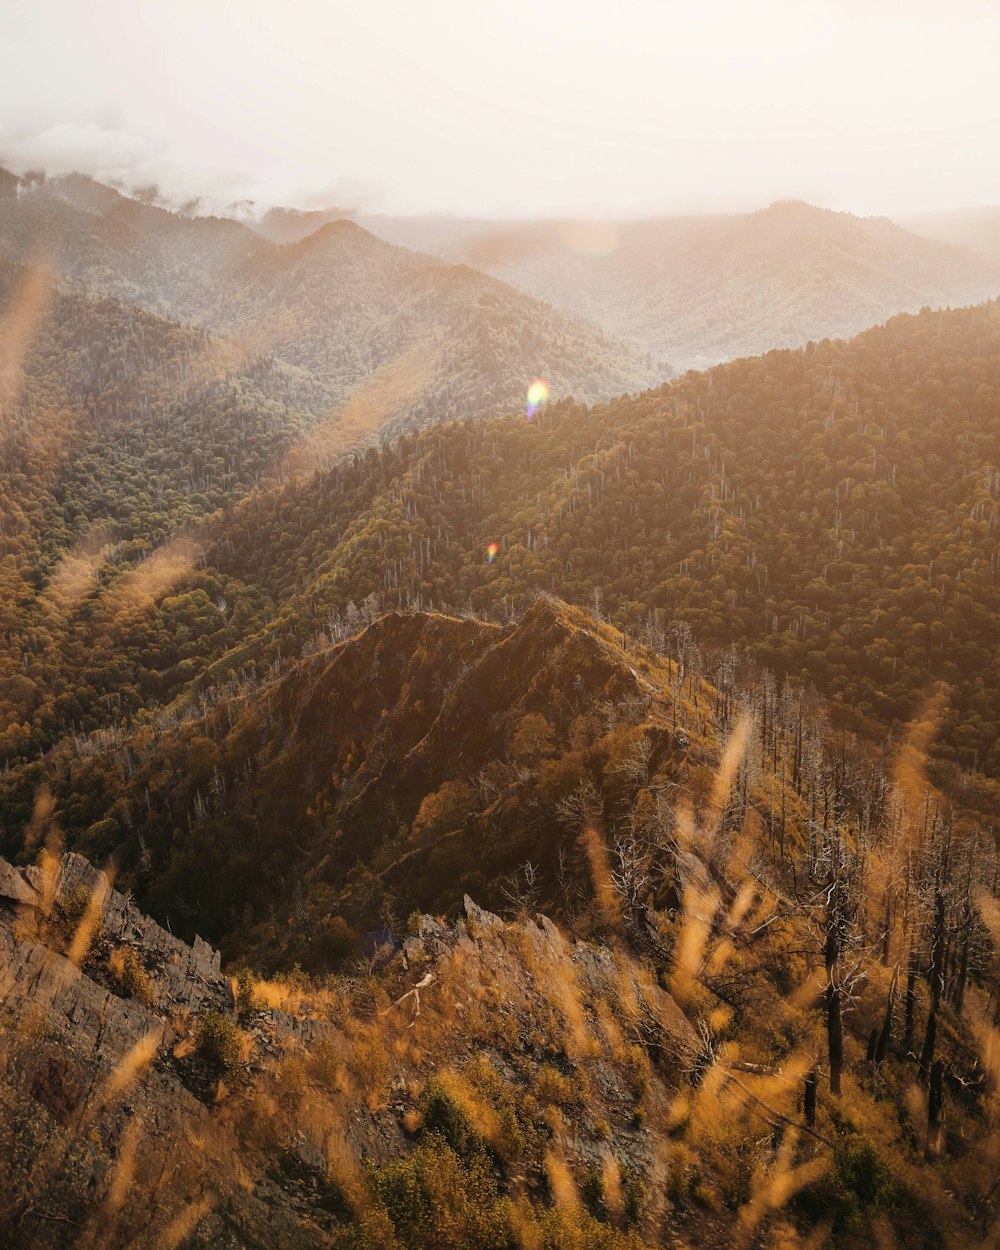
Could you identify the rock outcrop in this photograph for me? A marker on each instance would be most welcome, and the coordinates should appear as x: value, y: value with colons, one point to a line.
x: 141, y: 1106
x: 106, y: 1134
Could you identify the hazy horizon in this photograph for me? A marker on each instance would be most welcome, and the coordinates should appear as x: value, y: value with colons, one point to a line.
x: 541, y: 111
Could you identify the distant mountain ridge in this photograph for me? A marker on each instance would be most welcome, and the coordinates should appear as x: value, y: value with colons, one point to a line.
x: 341, y: 304
x: 975, y: 228
x: 700, y: 290
x: 703, y: 289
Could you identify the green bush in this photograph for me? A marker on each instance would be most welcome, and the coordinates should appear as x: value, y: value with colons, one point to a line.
x: 246, y: 997
x: 437, y: 1201
x: 444, y: 1117
x: 219, y: 1044
x: 857, y: 1181
x: 134, y: 978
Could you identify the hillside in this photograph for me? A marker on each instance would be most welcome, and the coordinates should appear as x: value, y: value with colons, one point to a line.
x: 169, y: 1111
x: 98, y: 396
x: 362, y: 738
x: 123, y: 423
x: 740, y: 504
x: 698, y: 290
x: 834, y: 509
x: 977, y: 229
x: 341, y: 299
x: 342, y: 305
x: 714, y: 1041
x: 117, y: 429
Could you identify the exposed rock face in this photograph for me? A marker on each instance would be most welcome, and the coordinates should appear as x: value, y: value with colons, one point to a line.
x: 92, y: 1089
x: 188, y: 976
x: 14, y: 889
x: 44, y: 992
x: 117, y: 1131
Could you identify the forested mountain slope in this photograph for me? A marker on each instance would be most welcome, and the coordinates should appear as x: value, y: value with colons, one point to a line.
x: 341, y: 304
x: 371, y: 752
x: 104, y: 243
x: 765, y: 999
x: 835, y: 508
x: 974, y: 228
x: 121, y: 425
x: 117, y: 428
x: 696, y: 290
x: 110, y: 414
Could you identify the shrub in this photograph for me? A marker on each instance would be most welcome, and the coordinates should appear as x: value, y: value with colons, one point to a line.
x: 219, y: 1044
x: 131, y: 975
x: 436, y: 1202
x: 634, y: 1063
x: 634, y: 1193
x: 566, y: 1229
x: 532, y: 740
x: 442, y: 811
x: 858, y: 1167
x: 324, y: 1063
x: 858, y: 1180
x: 683, y: 1176
x: 592, y: 1191
x: 246, y: 993
x: 552, y: 1086
x: 443, y: 1116
x: 71, y: 911
x: 370, y: 1062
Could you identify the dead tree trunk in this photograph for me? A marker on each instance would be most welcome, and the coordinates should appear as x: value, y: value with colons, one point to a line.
x: 935, y: 1111
x: 935, y: 975
x: 834, y: 1023
x: 911, y: 992
x: 885, y: 1034
x: 809, y: 1099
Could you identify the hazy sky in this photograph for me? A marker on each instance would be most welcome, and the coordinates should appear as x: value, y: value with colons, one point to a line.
x: 521, y: 106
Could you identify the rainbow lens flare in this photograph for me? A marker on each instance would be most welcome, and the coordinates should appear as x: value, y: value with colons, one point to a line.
x: 538, y: 394
x: 492, y: 551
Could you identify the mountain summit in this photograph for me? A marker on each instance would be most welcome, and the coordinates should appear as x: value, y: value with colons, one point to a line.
x: 697, y: 290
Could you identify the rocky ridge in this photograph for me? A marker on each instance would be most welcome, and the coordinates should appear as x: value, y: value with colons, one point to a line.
x: 120, y: 1132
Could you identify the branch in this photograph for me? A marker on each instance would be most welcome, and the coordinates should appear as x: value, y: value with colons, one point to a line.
x: 777, y: 1114
x: 426, y: 980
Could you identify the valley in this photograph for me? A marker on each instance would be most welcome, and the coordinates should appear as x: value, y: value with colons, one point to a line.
x: 464, y: 783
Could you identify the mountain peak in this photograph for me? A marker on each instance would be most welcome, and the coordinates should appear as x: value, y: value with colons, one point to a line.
x: 793, y: 205
x: 341, y: 228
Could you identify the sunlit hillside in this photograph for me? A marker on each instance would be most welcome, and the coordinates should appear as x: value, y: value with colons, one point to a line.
x: 499, y: 626
x: 698, y: 290
x: 763, y: 1009
x: 342, y: 305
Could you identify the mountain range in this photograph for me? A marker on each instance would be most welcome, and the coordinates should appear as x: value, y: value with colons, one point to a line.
x: 701, y: 289
x: 341, y: 304
x: 590, y: 810
x: 975, y: 228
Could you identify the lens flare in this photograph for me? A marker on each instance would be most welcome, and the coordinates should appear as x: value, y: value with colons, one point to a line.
x: 538, y: 394
x: 492, y: 551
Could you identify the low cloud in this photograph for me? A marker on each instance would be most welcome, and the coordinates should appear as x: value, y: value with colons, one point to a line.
x: 107, y: 153
x: 151, y: 171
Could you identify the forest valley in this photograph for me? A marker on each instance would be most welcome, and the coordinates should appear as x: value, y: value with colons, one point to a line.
x: 432, y: 825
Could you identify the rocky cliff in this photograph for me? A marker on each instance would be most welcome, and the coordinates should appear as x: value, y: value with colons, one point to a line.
x: 143, y: 1103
